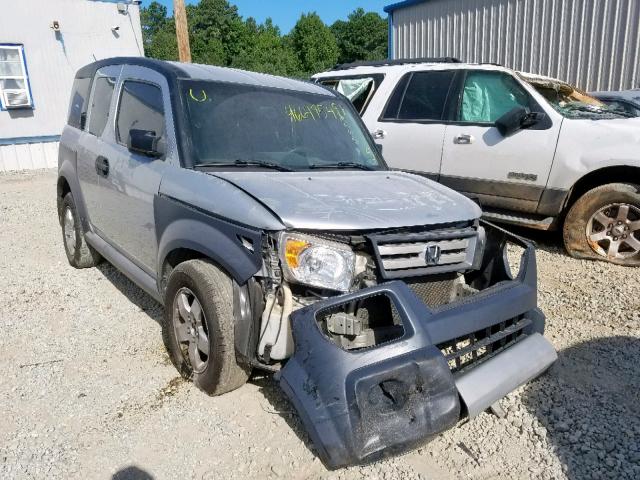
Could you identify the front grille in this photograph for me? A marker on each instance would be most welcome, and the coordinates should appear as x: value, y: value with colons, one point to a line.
x: 433, y: 293
x: 464, y: 352
x: 414, y: 254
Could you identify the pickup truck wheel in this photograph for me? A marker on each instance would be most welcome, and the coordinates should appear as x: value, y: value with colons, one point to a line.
x: 604, y: 224
x: 79, y: 253
x: 198, y: 329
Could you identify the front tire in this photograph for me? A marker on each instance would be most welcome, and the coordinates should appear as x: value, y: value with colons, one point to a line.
x: 604, y: 224
x: 198, y: 328
x: 79, y: 253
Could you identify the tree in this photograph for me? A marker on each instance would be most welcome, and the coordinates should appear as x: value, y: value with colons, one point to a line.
x: 158, y: 33
x: 314, y: 44
x: 266, y: 52
x: 364, y: 36
x: 216, y: 32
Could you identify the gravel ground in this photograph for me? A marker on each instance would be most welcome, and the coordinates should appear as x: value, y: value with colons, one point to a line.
x: 87, y: 390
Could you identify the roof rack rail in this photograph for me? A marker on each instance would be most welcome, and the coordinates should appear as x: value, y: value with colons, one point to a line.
x: 383, y: 63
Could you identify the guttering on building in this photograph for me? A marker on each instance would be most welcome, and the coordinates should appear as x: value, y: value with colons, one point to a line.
x: 42, y: 45
x: 594, y: 44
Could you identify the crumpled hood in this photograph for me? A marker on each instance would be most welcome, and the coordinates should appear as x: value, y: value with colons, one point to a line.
x: 353, y: 200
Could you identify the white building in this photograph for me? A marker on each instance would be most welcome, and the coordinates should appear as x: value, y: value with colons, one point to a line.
x: 594, y: 44
x: 42, y: 45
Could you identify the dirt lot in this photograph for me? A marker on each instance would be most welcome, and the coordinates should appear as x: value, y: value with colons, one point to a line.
x: 87, y: 390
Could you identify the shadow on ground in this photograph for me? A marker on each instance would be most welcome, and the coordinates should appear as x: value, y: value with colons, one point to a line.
x: 134, y: 294
x: 279, y: 405
x: 590, y: 406
x: 132, y: 473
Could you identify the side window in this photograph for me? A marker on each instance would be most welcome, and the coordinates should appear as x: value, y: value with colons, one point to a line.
x: 140, y: 108
x: 393, y: 105
x: 103, y: 86
x: 79, y: 102
x: 359, y: 90
x: 14, y: 80
x: 426, y: 96
x: 489, y: 95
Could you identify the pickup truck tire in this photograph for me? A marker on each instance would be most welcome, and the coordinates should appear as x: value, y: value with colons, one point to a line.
x: 198, y: 327
x: 604, y: 224
x: 79, y: 253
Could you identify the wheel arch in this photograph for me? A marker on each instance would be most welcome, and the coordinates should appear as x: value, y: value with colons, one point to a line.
x: 599, y: 177
x: 62, y: 188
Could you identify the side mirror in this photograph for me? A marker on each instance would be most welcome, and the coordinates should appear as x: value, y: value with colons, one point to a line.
x: 511, y: 122
x: 516, y: 119
x: 145, y: 142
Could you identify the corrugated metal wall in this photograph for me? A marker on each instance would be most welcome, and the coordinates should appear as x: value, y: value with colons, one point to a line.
x: 594, y: 44
x: 28, y: 156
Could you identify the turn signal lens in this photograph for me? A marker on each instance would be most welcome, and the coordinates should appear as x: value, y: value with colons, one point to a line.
x: 292, y: 250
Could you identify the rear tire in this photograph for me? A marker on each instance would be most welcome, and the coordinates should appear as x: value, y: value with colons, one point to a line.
x: 198, y: 327
x: 604, y: 224
x: 79, y: 253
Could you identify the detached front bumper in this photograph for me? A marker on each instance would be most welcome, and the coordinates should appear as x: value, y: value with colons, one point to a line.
x: 454, y: 361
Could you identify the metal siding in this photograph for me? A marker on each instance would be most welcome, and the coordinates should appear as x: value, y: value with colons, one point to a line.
x: 52, y: 61
x: 594, y: 44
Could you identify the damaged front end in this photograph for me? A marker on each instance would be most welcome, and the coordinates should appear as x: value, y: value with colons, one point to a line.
x: 378, y: 371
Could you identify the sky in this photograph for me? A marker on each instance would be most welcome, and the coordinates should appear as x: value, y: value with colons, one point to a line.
x: 285, y: 13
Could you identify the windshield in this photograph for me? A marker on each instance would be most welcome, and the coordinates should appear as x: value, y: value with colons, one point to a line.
x: 571, y: 102
x: 237, y: 126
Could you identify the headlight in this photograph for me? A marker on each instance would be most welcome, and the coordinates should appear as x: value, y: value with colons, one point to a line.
x: 317, y: 262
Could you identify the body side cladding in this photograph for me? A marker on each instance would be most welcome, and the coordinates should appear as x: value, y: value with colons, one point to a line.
x: 68, y: 172
x: 237, y: 249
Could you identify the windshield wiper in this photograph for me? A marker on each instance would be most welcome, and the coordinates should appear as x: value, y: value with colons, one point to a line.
x: 317, y: 166
x: 246, y: 163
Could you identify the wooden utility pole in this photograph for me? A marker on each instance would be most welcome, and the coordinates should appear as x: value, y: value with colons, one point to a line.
x: 182, y: 31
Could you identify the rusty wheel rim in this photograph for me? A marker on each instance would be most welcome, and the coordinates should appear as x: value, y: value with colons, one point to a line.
x: 613, y: 231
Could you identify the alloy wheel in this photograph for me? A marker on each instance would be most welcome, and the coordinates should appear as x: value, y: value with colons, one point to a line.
x: 614, y: 231
x: 190, y: 328
x: 69, y: 231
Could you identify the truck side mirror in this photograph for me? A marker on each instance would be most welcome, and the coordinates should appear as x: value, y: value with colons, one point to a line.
x: 516, y: 119
x: 145, y: 142
x: 511, y: 122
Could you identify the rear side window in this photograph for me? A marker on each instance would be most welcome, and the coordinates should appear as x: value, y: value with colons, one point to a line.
x: 426, y: 96
x: 489, y: 95
x: 420, y: 96
x: 359, y: 89
x: 79, y: 102
x: 103, y: 86
x: 140, y: 108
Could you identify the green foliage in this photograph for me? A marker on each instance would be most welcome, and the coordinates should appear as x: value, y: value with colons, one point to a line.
x: 218, y: 35
x: 158, y: 33
x: 314, y: 43
x: 362, y: 37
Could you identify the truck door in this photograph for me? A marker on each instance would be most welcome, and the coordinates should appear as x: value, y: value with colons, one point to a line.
x: 91, y: 143
x: 507, y: 173
x: 411, y: 127
x: 134, y: 178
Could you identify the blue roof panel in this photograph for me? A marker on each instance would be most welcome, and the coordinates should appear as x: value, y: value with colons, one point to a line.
x: 406, y: 3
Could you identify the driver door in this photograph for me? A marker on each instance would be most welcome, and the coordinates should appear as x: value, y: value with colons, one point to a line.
x: 511, y: 172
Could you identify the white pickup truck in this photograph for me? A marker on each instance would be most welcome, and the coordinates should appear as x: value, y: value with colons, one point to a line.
x: 532, y: 150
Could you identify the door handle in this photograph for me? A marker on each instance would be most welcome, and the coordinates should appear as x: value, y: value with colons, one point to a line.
x: 464, y: 139
x: 102, y: 166
x: 379, y: 134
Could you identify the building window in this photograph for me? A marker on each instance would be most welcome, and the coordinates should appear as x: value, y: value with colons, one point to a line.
x: 14, y: 80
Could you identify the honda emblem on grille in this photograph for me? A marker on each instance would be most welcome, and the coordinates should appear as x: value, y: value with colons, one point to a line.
x: 432, y: 254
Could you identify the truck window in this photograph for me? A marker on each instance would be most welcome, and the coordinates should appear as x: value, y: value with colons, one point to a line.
x: 359, y: 90
x: 140, y: 107
x: 103, y: 86
x: 426, y: 95
x: 79, y: 102
x: 489, y: 95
